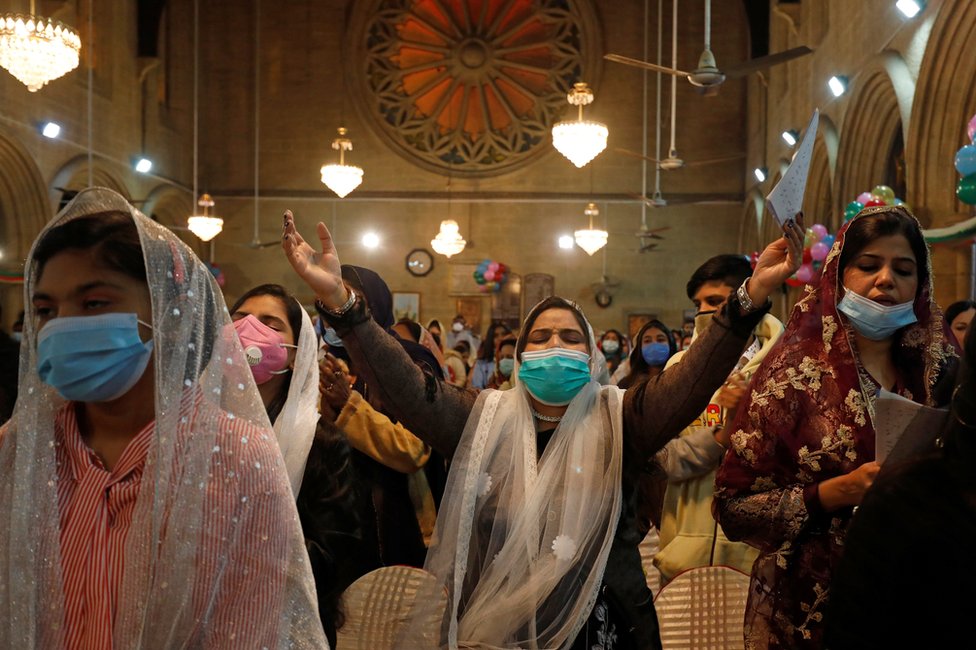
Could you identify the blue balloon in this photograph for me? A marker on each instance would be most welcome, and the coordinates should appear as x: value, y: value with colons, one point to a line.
x: 828, y: 240
x: 966, y: 160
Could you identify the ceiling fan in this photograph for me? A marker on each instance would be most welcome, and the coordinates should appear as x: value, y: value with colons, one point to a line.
x: 707, y: 75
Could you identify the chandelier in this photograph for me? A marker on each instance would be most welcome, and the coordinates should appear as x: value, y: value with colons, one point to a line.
x: 37, y: 50
x: 342, y: 178
x: 205, y: 226
x: 590, y: 239
x: 448, y: 241
x: 580, y: 141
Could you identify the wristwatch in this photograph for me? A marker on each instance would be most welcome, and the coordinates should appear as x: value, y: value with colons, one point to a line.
x: 341, y: 311
x: 745, y: 301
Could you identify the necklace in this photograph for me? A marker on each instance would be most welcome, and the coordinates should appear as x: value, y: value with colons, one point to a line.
x: 546, y: 418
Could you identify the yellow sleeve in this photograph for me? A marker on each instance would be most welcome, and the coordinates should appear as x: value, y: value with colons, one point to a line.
x: 372, y: 433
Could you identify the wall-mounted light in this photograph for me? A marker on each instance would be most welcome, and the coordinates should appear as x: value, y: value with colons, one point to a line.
x: 143, y: 165
x: 791, y: 136
x: 371, y: 240
x: 910, y: 8
x: 51, y: 130
x: 566, y: 242
x: 837, y: 85
x: 760, y: 173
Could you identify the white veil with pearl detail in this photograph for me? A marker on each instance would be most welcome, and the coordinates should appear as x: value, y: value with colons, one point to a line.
x: 522, y: 540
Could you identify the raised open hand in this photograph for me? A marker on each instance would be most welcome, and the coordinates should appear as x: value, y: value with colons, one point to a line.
x: 778, y: 261
x: 320, y: 270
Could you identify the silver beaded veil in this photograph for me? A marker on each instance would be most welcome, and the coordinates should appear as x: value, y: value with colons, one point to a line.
x: 520, y: 544
x: 214, y: 556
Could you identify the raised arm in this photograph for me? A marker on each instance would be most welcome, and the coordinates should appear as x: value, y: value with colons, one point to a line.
x: 433, y: 410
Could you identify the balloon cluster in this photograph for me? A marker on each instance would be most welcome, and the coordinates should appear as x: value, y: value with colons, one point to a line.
x: 816, y: 246
x: 217, y: 273
x: 880, y: 195
x: 490, y: 276
x: 966, y: 166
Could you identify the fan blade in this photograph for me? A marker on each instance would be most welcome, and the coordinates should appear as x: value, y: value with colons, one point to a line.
x: 637, y: 63
x: 714, y: 161
x: 634, y: 154
x: 744, y: 68
x: 647, y: 248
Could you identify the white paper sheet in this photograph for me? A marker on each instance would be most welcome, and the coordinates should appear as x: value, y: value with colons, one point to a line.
x: 904, y: 428
x: 786, y: 199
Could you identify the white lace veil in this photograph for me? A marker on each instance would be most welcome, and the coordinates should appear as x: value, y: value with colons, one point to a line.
x: 296, y: 423
x: 214, y: 556
x: 521, y: 545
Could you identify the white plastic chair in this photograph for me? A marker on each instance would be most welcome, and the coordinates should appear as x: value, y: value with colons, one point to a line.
x: 703, y: 608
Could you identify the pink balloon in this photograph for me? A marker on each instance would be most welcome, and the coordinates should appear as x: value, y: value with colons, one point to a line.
x: 490, y: 275
x: 805, y: 273
x: 819, y: 230
x: 971, y: 129
x: 864, y: 197
x: 819, y: 251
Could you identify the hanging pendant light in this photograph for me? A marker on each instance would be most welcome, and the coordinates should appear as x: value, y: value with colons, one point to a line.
x: 342, y: 178
x: 205, y: 226
x: 448, y: 241
x: 591, y: 240
x: 37, y: 50
x: 581, y: 141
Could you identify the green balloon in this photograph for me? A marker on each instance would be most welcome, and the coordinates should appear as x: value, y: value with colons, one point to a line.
x: 966, y: 190
x: 884, y: 193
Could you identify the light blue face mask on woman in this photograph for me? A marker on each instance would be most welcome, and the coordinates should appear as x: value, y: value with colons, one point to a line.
x: 873, y: 320
x: 92, y: 358
x: 656, y: 354
x: 554, y: 376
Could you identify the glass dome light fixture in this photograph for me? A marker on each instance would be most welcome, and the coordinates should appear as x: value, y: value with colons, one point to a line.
x: 342, y: 178
x: 448, y: 241
x: 581, y: 140
x: 205, y: 226
x: 591, y: 239
x: 37, y: 50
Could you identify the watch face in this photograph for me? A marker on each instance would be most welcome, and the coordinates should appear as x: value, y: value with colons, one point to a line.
x: 419, y: 262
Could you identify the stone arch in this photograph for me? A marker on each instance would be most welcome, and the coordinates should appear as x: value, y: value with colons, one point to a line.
x: 751, y: 224
x: 23, y: 204
x: 170, y: 206
x: 73, y: 175
x: 945, y: 98
x: 870, y: 124
x: 818, y: 204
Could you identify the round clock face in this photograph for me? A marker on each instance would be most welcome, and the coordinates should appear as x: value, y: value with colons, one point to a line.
x: 419, y: 262
x: 603, y: 298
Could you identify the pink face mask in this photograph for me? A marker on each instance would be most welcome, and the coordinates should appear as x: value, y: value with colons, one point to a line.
x: 264, y: 348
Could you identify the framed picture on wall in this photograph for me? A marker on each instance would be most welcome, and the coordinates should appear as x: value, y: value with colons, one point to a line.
x: 637, y: 320
x: 406, y: 304
x: 470, y: 308
x: 506, y: 303
x: 536, y: 287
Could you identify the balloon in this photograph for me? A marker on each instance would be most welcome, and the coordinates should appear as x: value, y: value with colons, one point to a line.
x: 874, y: 202
x: 493, y: 267
x: 808, y: 254
x: 966, y: 160
x: 852, y: 209
x: 884, y: 193
x: 804, y: 273
x: 819, y: 251
x: 819, y: 230
x: 810, y: 239
x: 971, y: 129
x: 828, y: 240
x: 793, y: 282
x: 966, y: 189
x: 864, y: 197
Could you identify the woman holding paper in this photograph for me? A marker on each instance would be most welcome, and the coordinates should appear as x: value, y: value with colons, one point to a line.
x: 803, y: 443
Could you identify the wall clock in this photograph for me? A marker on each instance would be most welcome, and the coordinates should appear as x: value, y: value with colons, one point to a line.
x: 420, y: 262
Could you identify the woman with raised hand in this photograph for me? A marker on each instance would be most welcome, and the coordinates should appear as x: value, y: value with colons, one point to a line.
x: 536, y: 539
x: 803, y: 441
x: 144, y: 498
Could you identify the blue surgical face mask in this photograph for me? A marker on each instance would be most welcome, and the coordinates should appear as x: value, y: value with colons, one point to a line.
x: 506, y: 366
x: 92, y: 358
x: 873, y: 320
x: 554, y: 376
x: 656, y: 354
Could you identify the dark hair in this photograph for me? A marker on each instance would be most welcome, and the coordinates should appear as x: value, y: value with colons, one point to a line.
x: 434, y: 323
x: 552, y: 302
x: 487, y: 349
x: 894, y: 221
x: 957, y: 308
x: 112, y: 237
x: 730, y: 270
x: 294, y: 311
x: 620, y: 337
x: 639, y: 367
x: 412, y: 327
x: 508, y: 339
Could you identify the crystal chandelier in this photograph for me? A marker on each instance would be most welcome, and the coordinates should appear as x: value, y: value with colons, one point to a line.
x: 205, y: 226
x: 580, y: 141
x: 342, y: 178
x: 590, y: 239
x: 37, y: 50
x: 448, y: 241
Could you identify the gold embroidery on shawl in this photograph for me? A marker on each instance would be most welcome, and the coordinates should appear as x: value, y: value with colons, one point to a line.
x: 740, y: 443
x: 855, y: 402
x: 829, y: 329
x: 830, y: 447
x: 812, y: 610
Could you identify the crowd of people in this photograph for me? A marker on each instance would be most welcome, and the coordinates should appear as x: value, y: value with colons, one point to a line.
x: 174, y: 473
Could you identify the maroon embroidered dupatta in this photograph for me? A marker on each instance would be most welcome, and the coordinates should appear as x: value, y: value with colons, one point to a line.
x: 807, y: 418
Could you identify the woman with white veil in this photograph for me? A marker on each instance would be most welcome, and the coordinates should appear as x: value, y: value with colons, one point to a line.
x: 144, y: 499
x: 536, y: 541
